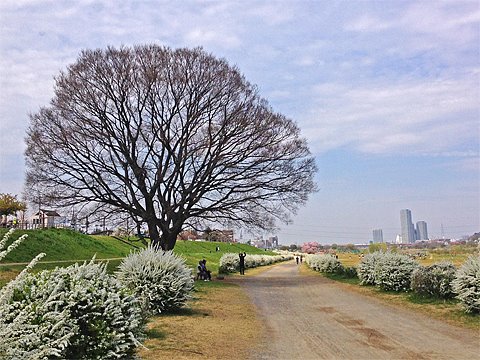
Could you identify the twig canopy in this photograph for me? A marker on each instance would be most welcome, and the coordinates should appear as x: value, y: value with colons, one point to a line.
x: 173, y: 137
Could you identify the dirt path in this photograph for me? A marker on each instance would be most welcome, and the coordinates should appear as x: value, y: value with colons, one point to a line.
x: 310, y: 317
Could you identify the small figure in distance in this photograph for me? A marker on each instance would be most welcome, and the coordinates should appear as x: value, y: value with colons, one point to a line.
x: 301, y: 259
x: 242, y: 262
x: 208, y: 274
x: 297, y: 259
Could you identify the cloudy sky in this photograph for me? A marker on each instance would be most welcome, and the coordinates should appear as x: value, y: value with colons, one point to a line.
x: 386, y: 92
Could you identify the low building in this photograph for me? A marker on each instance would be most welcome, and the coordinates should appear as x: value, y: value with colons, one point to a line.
x: 45, y: 218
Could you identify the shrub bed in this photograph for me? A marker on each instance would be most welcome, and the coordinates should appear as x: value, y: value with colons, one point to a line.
x: 434, y: 280
x: 366, y: 268
x: 467, y: 284
x: 230, y: 262
x: 393, y: 272
x: 76, y: 312
x: 324, y: 263
x: 160, y: 279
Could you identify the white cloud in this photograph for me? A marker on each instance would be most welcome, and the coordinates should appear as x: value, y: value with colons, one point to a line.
x: 368, y: 23
x: 219, y: 38
x: 407, y: 117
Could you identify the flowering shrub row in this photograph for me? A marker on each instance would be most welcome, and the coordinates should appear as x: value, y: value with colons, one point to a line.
x: 400, y: 273
x: 81, y: 312
x: 230, y: 262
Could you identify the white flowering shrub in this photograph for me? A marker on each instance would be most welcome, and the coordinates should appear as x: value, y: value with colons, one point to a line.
x: 230, y: 262
x: 77, y: 312
x: 160, y: 279
x: 434, y: 280
x: 394, y: 271
x: 366, y: 268
x: 467, y: 284
x: 3, y: 243
x: 7, y: 290
x: 324, y: 263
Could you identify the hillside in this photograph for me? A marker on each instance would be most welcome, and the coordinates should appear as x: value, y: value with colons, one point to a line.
x: 62, y: 245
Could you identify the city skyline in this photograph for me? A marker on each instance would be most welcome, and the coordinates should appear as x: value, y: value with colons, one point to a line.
x: 386, y: 94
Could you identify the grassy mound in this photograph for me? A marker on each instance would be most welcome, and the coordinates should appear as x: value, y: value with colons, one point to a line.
x: 67, y: 245
x: 63, y: 244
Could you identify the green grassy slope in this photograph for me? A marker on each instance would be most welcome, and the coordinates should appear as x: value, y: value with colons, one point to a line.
x: 62, y: 244
x: 194, y: 251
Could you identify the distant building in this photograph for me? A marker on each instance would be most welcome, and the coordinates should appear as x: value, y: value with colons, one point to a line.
x: 398, y: 239
x: 377, y: 236
x: 270, y: 243
x: 273, y: 241
x: 408, y: 230
x: 422, y: 233
x: 45, y: 218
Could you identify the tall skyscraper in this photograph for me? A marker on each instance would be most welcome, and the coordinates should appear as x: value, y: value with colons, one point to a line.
x: 377, y: 236
x: 422, y: 233
x: 408, y: 230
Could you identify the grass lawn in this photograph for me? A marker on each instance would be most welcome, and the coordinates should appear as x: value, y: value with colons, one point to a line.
x: 66, y: 247
x: 219, y: 323
x: 63, y: 244
x: 194, y: 251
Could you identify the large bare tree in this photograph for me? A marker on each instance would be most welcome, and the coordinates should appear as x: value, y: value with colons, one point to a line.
x: 173, y: 137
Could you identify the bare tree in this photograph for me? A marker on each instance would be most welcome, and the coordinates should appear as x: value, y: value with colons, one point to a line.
x: 173, y: 137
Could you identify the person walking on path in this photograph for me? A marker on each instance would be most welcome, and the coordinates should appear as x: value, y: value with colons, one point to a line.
x: 242, y: 263
x: 297, y: 259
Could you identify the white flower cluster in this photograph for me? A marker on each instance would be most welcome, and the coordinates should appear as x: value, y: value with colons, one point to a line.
x: 393, y: 271
x: 77, y: 312
x: 324, y: 263
x: 467, y: 284
x: 3, y: 243
x: 230, y: 262
x: 161, y: 280
x: 366, y: 268
x: 434, y: 280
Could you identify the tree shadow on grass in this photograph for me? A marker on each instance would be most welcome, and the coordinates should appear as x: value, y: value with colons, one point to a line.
x: 155, y: 333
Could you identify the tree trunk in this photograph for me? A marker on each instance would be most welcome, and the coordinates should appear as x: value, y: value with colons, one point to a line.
x: 168, y: 240
x: 154, y: 234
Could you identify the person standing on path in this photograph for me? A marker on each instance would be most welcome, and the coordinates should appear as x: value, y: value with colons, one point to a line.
x: 242, y: 263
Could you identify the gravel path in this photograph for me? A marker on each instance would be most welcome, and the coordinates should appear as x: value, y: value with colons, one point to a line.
x: 311, y: 317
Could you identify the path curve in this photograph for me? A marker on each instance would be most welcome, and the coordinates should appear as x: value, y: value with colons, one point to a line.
x: 312, y: 317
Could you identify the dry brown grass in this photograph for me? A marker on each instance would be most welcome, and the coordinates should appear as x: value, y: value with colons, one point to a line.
x: 432, y: 257
x: 348, y: 259
x: 6, y: 276
x: 220, y: 324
